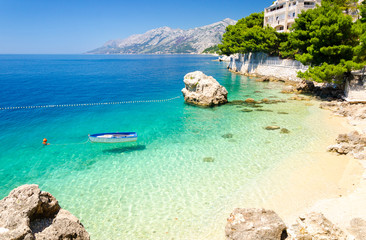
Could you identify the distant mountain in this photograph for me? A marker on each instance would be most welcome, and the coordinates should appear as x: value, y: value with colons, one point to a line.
x: 165, y: 40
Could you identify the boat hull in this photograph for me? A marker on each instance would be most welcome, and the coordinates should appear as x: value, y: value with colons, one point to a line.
x: 117, y: 137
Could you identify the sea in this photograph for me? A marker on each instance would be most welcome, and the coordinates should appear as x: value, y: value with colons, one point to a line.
x: 190, y: 167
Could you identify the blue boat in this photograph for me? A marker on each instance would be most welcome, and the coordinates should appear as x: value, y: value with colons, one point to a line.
x: 116, y: 137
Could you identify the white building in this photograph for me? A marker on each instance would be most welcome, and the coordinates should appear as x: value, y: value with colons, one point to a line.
x: 282, y: 13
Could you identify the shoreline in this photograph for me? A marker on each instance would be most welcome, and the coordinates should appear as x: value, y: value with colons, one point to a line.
x: 309, y: 176
x: 343, y: 179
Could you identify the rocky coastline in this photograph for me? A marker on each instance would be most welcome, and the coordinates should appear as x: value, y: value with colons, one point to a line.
x: 265, y: 224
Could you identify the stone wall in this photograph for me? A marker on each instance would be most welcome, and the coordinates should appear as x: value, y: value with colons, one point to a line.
x: 260, y: 64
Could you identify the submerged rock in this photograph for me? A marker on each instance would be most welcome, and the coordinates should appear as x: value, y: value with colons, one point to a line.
x: 29, y: 213
x: 208, y: 159
x: 284, y: 130
x: 262, y: 79
x: 272, y: 127
x: 288, y: 89
x: 250, y: 100
x: 263, y: 110
x: 227, y: 135
x: 203, y: 90
x: 246, y: 110
x: 299, y: 98
x: 253, y: 224
x: 282, y: 112
x: 237, y: 102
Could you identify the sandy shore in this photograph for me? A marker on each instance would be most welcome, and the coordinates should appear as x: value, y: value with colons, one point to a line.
x: 307, y: 179
x: 332, y: 184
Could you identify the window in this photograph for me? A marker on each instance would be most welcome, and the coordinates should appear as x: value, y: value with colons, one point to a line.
x: 308, y: 3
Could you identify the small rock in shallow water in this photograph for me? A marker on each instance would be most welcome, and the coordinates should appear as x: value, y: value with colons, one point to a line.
x: 284, y: 130
x: 250, y: 100
x: 282, y: 112
x: 246, y: 110
x: 236, y: 102
x: 256, y: 106
x: 272, y: 127
x: 264, y: 110
x: 227, y: 135
x: 208, y: 159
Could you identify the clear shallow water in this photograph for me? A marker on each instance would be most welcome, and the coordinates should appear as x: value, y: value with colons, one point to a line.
x: 159, y: 187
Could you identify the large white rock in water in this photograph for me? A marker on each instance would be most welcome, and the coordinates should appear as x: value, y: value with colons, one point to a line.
x: 203, y: 90
x: 31, y: 214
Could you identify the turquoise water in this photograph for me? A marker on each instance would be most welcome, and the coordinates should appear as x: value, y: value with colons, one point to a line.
x: 159, y: 187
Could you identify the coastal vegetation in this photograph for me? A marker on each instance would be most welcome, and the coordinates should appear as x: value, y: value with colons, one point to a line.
x: 326, y: 38
x: 212, y: 50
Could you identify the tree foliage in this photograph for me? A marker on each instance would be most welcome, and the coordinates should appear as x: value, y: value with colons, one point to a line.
x: 325, y: 38
x: 248, y: 35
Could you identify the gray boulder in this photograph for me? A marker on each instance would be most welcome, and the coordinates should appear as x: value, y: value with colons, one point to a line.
x: 28, y: 213
x: 255, y: 224
x: 314, y: 226
x: 203, y: 90
x: 305, y: 86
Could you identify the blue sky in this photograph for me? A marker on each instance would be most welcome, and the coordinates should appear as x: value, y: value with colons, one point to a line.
x: 76, y: 26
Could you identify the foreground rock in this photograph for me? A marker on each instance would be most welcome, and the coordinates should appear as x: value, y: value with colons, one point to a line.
x: 251, y: 224
x: 352, y: 143
x: 30, y: 214
x: 261, y: 224
x: 203, y: 90
x: 314, y: 226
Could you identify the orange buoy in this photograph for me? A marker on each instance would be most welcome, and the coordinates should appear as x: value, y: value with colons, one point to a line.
x: 45, y: 141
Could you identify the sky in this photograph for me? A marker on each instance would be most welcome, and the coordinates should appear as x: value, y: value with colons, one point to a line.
x: 77, y: 26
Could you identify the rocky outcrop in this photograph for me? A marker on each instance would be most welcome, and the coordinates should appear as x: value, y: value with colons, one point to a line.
x: 224, y: 58
x: 305, y: 86
x: 352, y: 143
x: 314, y: 226
x: 31, y: 214
x: 353, y: 111
x: 203, y: 90
x: 261, y: 224
x: 251, y: 224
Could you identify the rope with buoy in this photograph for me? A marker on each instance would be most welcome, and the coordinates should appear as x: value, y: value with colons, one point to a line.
x: 62, y: 144
x: 89, y: 104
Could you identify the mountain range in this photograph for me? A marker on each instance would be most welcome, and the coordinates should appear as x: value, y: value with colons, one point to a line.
x: 166, y: 40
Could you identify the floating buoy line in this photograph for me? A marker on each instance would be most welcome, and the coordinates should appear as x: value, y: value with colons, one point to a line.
x: 88, y: 104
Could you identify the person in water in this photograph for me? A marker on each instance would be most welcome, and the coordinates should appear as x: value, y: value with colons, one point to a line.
x: 45, y: 142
